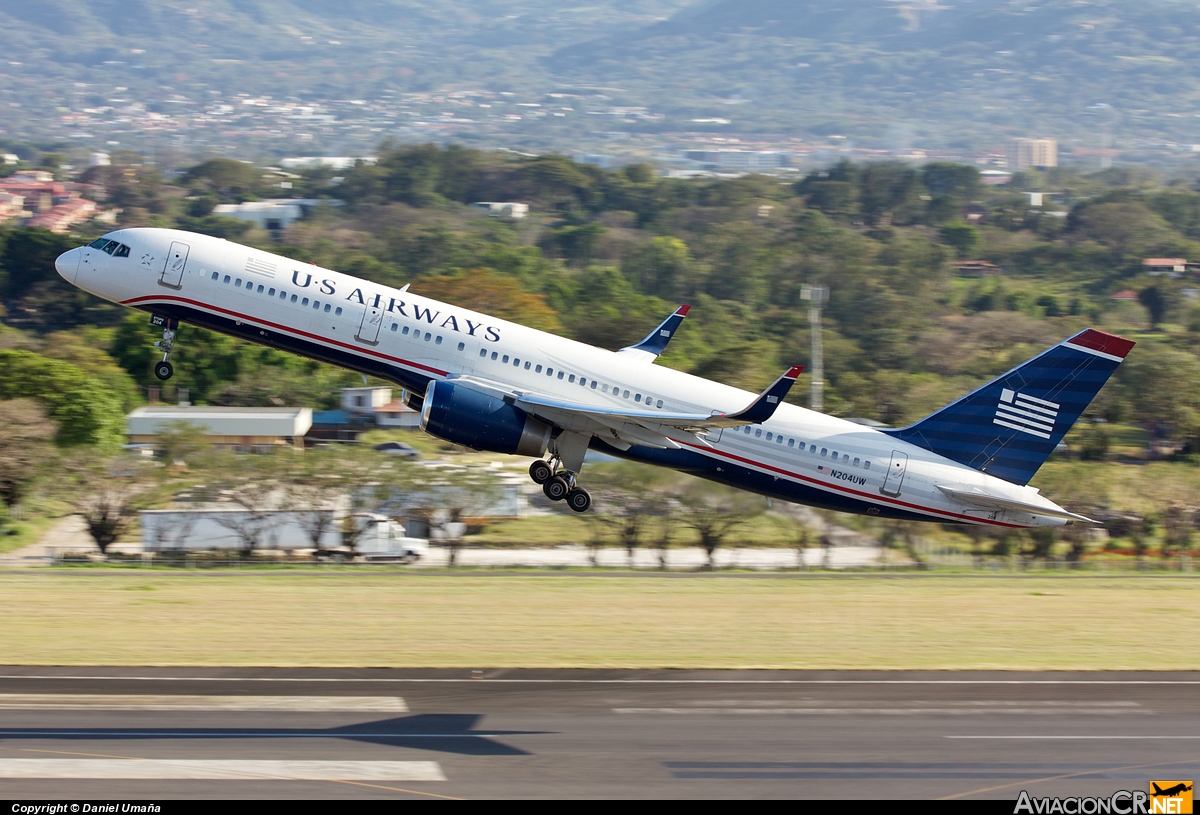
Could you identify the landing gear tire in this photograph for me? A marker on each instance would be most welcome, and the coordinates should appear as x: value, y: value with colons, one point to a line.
x: 579, y: 500
x: 556, y: 488
x: 163, y: 370
x: 540, y: 472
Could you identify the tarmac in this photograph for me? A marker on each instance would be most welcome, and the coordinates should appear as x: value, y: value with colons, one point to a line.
x: 156, y: 734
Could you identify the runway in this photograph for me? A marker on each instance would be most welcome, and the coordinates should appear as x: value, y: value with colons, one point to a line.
x: 154, y: 733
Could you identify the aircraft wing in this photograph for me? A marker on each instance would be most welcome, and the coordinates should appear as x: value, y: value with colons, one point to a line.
x: 652, y: 427
x: 656, y: 341
x: 980, y: 498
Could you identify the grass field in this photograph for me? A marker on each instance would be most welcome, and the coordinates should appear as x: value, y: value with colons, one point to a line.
x: 343, y: 618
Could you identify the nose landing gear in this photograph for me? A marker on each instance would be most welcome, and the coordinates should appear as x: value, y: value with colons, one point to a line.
x: 163, y: 370
x: 559, y: 484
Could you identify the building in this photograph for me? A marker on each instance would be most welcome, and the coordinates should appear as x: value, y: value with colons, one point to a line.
x: 377, y: 407
x: 273, y: 215
x: 502, y: 209
x: 1175, y: 267
x: 977, y: 268
x: 748, y: 161
x: 995, y: 177
x: 1026, y: 153
x: 61, y: 217
x: 244, y: 430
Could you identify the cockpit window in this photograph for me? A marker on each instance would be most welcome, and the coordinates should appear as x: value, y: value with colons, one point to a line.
x: 117, y: 250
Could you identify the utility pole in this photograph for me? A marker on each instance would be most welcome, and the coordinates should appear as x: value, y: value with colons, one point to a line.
x: 816, y: 296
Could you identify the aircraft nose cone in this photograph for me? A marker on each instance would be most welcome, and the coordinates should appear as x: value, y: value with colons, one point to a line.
x: 68, y: 264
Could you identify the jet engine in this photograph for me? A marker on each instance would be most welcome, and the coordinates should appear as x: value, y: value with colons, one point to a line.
x: 472, y: 418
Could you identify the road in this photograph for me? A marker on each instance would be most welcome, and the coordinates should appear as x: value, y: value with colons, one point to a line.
x: 297, y: 733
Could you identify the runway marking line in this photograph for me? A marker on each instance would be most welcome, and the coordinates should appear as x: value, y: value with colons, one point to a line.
x: 330, y: 780
x: 114, y: 701
x: 1073, y: 738
x: 1061, y: 777
x: 468, y: 680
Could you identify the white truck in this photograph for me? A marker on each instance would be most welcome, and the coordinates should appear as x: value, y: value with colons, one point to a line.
x: 380, y: 538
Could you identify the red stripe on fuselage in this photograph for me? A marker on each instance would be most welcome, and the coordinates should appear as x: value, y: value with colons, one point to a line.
x: 838, y: 488
x: 278, y: 327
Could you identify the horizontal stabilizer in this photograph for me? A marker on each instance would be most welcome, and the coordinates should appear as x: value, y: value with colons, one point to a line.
x: 977, y: 497
x: 1010, y: 426
x: 656, y: 341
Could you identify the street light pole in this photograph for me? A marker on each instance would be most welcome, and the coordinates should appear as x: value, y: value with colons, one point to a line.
x: 816, y: 296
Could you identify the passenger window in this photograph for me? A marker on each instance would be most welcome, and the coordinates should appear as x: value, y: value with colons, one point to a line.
x: 404, y: 330
x: 337, y: 312
x: 824, y: 451
x: 271, y: 292
x: 528, y: 365
x: 495, y: 355
x: 625, y: 395
x: 593, y: 384
x: 238, y: 282
x: 758, y: 433
x: 637, y: 398
x: 304, y: 302
x: 779, y: 439
x: 427, y: 336
x: 748, y: 429
x: 659, y: 403
x: 770, y: 436
x: 504, y: 359
x: 216, y: 275
x: 482, y: 352
x: 226, y: 280
x: 582, y: 381
x: 792, y: 443
x: 438, y: 341
x: 856, y: 461
x: 395, y: 326
x: 516, y: 362
x: 571, y: 378
x: 812, y: 448
x: 549, y: 372
x: 538, y: 369
x: 328, y: 308
x: 867, y: 464
x: 462, y: 346
x: 293, y: 296
x: 561, y: 375
x: 316, y: 304
x: 282, y: 294
x: 260, y: 288
x: 834, y: 455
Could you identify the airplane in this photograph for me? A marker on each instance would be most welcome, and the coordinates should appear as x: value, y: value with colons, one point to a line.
x: 1170, y: 792
x: 497, y: 386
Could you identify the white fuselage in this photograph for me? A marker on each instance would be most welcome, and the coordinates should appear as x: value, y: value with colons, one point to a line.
x: 796, y: 455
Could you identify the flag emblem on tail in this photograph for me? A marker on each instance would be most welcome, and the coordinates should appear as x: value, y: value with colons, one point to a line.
x: 1027, y: 414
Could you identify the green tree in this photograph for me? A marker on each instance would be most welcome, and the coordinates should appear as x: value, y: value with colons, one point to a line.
x: 26, y: 448
x: 962, y: 238
x: 85, y: 411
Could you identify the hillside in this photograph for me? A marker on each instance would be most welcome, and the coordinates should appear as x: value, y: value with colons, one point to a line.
x: 884, y: 74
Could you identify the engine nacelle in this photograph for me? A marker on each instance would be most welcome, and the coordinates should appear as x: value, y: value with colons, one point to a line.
x: 478, y: 420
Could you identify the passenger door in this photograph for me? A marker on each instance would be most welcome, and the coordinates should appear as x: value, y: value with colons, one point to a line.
x: 368, y: 329
x: 895, y: 473
x: 172, y: 273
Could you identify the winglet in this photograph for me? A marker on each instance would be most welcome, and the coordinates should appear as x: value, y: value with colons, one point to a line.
x: 764, y: 406
x: 656, y: 341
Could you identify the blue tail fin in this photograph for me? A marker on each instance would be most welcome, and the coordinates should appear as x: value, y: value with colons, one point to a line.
x: 1010, y: 426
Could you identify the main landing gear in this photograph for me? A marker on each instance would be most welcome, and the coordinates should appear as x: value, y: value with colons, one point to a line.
x: 163, y: 370
x: 559, y: 484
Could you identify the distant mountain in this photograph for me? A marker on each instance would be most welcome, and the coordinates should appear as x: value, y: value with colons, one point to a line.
x: 883, y: 73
